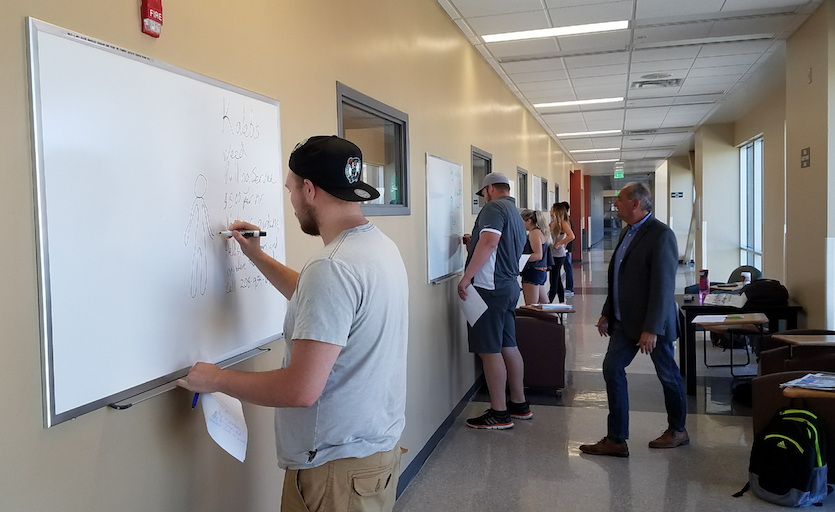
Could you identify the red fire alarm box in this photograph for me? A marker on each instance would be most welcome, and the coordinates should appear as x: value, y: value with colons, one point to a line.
x: 152, y: 17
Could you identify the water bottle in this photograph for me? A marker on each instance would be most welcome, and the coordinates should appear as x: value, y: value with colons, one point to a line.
x: 704, y: 285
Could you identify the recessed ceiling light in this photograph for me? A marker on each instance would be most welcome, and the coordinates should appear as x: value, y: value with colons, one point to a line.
x: 593, y: 150
x: 584, y: 134
x: 597, y: 161
x: 591, y: 28
x: 577, y: 102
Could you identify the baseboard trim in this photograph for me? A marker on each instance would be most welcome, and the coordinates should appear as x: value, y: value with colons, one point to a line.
x: 408, y: 474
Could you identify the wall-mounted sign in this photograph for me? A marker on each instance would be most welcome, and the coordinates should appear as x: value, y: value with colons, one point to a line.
x: 805, y: 157
x: 676, y: 194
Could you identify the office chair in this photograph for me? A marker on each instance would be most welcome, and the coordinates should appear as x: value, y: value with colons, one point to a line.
x: 736, y: 275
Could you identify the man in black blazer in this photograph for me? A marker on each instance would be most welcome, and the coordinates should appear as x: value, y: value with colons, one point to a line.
x: 640, y: 314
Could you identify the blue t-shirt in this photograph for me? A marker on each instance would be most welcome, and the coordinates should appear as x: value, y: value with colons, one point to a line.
x: 499, y: 216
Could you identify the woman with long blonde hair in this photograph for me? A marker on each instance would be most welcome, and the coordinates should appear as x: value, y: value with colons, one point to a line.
x: 561, y: 234
x: 534, y: 274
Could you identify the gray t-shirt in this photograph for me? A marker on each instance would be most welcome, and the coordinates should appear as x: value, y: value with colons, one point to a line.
x: 353, y: 293
x: 499, y: 216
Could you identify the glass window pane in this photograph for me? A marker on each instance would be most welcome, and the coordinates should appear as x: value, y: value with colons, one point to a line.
x: 382, y: 133
x: 481, y: 167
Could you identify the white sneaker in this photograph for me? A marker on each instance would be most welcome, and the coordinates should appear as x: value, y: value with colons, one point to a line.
x: 569, y: 293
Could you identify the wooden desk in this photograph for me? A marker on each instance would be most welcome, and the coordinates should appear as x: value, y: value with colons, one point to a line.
x: 690, y: 310
x: 807, y: 393
x: 812, y: 340
x: 730, y: 320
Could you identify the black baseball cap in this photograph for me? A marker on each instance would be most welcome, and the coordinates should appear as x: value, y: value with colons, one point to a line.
x: 334, y: 165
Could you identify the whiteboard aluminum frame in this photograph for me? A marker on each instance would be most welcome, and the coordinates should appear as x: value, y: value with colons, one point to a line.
x: 34, y: 28
x: 454, y: 273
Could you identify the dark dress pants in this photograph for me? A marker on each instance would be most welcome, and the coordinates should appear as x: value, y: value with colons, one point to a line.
x: 619, y: 355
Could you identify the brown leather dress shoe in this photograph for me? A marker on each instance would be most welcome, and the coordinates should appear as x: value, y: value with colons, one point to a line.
x: 670, y: 439
x: 606, y: 447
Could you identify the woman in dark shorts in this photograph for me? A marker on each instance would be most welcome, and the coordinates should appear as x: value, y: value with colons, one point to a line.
x: 535, y: 273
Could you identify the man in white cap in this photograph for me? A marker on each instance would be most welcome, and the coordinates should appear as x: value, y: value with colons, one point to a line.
x: 493, y: 256
x: 340, y: 394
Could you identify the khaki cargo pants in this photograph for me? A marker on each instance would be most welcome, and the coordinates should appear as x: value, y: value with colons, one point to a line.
x: 344, y: 485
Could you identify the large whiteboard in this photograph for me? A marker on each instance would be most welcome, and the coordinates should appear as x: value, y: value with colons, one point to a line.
x: 444, y: 217
x: 138, y: 166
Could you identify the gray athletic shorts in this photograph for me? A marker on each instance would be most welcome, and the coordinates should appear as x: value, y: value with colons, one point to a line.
x: 496, y: 328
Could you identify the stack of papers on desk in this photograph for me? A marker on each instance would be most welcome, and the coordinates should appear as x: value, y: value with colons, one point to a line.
x: 726, y: 299
x: 818, y: 381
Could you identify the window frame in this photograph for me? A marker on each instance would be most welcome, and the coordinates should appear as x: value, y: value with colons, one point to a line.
x: 360, y: 101
x: 487, y: 157
x: 521, y: 192
x: 751, y: 170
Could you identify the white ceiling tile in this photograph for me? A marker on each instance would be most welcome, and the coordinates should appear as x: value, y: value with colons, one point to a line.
x: 617, y: 69
x: 647, y: 113
x: 592, y: 13
x: 617, y: 40
x: 682, y: 52
x: 661, y: 66
x: 558, y: 4
x: 600, y: 59
x: 713, y: 50
x: 580, y: 83
x: 539, y: 76
x: 649, y: 102
x: 699, y: 98
x: 530, y: 48
x: 600, y: 91
x: 530, y: 66
x: 672, y: 33
x: 662, y: 8
x: 726, y: 60
x: 769, y: 25
x: 552, y: 86
x: 568, y: 118
x: 641, y: 124
x: 738, y: 70
x: 568, y: 127
x: 501, y: 23
x: 577, y: 143
x: 550, y: 96
x: 607, y: 142
x: 690, y: 110
x: 680, y: 121
x: 670, y: 138
x: 704, y: 89
x: 633, y: 155
x: 602, y: 125
x: 604, y: 115
x: 721, y: 82
x: 470, y: 8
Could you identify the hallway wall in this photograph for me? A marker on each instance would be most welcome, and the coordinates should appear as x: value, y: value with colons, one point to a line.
x: 681, y: 208
x: 156, y: 456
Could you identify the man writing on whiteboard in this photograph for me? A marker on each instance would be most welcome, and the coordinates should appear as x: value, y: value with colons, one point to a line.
x: 340, y: 395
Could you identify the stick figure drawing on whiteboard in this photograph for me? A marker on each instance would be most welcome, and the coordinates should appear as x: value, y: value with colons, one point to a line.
x: 199, y: 218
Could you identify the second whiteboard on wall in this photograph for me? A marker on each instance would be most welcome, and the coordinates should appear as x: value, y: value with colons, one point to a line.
x: 444, y: 217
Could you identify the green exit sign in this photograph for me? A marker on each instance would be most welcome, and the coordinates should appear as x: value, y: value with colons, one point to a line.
x: 618, y: 174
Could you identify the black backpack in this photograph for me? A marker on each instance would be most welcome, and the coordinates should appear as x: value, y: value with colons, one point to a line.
x: 766, y: 291
x: 788, y: 460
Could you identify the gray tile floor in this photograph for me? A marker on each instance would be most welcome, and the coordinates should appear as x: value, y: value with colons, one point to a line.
x: 537, y: 465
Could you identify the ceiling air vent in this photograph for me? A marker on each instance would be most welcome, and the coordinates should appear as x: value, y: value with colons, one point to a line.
x: 655, y: 84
